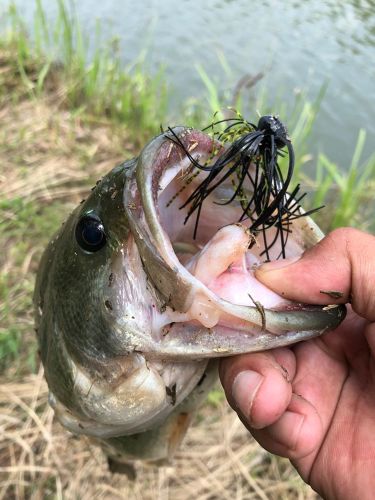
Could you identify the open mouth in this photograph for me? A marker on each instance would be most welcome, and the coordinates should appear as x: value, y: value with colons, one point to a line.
x: 212, y: 304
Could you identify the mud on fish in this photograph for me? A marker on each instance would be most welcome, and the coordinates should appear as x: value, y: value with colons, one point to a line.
x: 151, y: 279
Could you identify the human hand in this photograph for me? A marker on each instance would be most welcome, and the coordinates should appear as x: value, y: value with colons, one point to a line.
x: 315, y: 401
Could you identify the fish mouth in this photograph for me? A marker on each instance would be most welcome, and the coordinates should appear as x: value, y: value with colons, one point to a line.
x: 207, y: 300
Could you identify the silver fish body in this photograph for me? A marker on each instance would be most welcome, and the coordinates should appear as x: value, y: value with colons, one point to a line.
x: 129, y: 328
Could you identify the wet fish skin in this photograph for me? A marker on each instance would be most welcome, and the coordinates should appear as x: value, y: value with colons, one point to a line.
x: 81, y: 283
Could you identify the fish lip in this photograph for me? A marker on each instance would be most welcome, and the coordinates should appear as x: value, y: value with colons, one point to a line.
x: 144, y: 190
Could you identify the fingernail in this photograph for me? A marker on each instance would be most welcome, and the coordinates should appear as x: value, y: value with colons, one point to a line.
x: 244, y: 389
x: 277, y: 264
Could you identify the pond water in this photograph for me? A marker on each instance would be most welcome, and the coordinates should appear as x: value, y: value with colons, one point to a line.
x: 297, y: 45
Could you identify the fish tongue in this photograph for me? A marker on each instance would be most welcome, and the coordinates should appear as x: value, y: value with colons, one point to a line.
x: 226, y: 248
x: 222, y: 267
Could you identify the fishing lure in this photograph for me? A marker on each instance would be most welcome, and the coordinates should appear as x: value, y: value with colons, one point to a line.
x: 252, y: 155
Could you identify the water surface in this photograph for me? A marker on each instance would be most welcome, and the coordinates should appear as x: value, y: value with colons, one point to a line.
x: 297, y: 45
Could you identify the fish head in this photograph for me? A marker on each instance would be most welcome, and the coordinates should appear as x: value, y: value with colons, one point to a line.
x: 131, y: 305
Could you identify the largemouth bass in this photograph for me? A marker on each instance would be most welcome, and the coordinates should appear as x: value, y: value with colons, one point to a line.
x: 132, y: 311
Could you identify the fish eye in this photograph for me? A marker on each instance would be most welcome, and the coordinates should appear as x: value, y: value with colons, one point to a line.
x: 90, y: 234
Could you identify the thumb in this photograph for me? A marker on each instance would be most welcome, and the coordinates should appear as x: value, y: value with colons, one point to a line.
x: 342, y: 264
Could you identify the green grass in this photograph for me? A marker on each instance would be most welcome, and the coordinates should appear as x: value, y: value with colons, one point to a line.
x: 348, y: 192
x: 25, y: 227
x: 96, y: 84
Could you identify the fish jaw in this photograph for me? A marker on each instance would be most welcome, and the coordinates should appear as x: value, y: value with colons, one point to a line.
x: 206, y: 309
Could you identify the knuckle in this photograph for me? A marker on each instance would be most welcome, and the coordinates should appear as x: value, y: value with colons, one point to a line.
x: 342, y: 237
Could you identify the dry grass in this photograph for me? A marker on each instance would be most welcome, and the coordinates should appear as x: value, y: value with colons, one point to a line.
x: 49, y: 157
x: 218, y: 459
